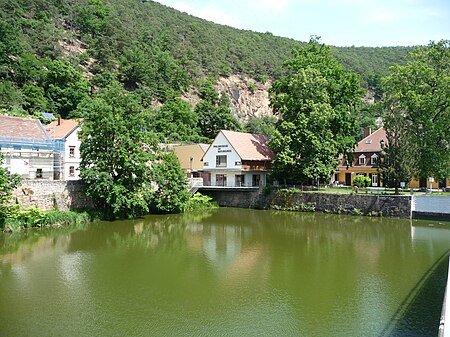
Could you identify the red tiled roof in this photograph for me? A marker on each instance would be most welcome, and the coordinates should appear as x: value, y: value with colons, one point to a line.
x: 372, y: 142
x: 61, y: 128
x: 19, y: 127
x: 249, y: 146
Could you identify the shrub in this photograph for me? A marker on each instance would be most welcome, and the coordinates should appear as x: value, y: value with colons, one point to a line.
x: 200, y: 201
x: 361, y: 181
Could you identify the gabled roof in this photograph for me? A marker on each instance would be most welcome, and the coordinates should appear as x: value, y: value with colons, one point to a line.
x: 249, y: 146
x: 61, y: 128
x: 204, y: 147
x: 372, y: 142
x: 19, y: 127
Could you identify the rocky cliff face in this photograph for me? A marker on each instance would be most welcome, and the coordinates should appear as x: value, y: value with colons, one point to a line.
x: 248, y: 97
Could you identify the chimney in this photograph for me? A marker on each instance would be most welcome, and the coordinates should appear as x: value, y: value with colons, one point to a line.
x: 367, y: 132
x: 59, y: 121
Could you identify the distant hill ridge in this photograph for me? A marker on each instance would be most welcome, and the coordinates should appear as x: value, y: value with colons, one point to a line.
x: 123, y: 39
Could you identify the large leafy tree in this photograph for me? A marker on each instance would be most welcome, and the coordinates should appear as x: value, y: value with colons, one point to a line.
x: 214, y: 111
x: 398, y: 157
x: 316, y: 102
x: 171, y: 192
x: 418, y: 95
x: 117, y: 153
x: 175, y: 121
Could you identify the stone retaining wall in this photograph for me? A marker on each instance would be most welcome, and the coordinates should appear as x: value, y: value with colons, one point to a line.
x: 358, y: 204
x: 49, y: 194
x: 242, y: 198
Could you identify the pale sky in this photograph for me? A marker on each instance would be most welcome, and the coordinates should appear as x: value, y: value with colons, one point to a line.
x: 371, y: 23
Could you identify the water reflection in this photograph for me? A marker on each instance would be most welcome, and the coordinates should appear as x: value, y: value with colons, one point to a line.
x: 224, y: 272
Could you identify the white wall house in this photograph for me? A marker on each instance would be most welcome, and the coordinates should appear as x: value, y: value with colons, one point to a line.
x: 67, y: 163
x: 26, y: 148
x: 237, y: 159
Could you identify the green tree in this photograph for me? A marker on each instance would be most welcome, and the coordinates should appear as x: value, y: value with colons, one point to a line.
x: 316, y: 103
x: 171, y: 193
x: 214, y: 111
x: 175, y: 121
x: 92, y: 17
x: 8, y: 182
x: 418, y: 95
x: 264, y: 125
x: 117, y: 152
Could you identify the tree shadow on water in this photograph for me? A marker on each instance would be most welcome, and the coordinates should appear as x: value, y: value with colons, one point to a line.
x: 419, y: 314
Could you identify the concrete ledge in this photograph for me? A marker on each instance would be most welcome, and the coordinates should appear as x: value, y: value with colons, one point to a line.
x: 431, y: 216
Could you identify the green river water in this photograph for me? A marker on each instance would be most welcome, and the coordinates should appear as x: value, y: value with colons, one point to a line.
x: 226, y: 272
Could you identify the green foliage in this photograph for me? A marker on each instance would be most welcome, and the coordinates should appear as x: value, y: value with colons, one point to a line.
x: 214, y: 111
x: 8, y: 182
x: 175, y: 121
x: 264, y: 125
x: 16, y: 219
x: 117, y: 150
x: 199, y: 202
x: 316, y: 102
x: 171, y: 193
x: 361, y: 181
x: 418, y: 100
x: 92, y: 17
x: 154, y: 73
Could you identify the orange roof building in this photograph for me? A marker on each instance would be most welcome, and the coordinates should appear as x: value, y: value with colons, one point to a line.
x: 237, y: 159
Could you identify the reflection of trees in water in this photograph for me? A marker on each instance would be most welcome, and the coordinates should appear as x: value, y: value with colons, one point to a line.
x: 20, y: 245
x: 160, y: 232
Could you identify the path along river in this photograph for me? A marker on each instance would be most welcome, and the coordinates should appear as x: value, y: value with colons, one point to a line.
x: 226, y: 272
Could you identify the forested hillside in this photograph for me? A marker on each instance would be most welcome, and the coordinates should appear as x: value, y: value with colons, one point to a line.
x: 56, y: 53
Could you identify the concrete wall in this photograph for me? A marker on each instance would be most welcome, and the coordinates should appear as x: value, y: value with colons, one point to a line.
x: 49, y: 194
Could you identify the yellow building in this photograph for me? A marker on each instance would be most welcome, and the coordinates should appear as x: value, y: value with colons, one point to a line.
x: 365, y: 162
x: 366, y: 155
x: 190, y: 157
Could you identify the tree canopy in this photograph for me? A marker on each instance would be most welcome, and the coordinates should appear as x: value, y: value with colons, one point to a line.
x: 418, y: 96
x: 117, y: 150
x: 316, y: 102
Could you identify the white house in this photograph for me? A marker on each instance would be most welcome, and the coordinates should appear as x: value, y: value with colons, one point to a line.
x: 26, y: 147
x: 67, y: 162
x: 237, y: 159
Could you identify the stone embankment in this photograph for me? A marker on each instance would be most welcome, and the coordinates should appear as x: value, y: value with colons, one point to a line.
x: 295, y: 200
x: 50, y: 194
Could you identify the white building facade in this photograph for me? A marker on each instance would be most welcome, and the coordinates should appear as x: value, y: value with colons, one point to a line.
x: 237, y: 159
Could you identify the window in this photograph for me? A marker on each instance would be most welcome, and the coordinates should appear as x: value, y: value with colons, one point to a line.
x: 369, y: 141
x: 72, y: 171
x: 71, y: 151
x: 256, y: 179
x: 240, y: 180
x: 374, y: 180
x: 39, y: 173
x: 373, y: 159
x: 362, y: 160
x: 221, y: 180
x: 221, y: 161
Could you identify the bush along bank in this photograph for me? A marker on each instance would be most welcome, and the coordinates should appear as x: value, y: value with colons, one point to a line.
x: 14, y: 219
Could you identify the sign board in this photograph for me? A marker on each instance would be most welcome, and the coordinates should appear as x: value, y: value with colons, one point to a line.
x: 431, y: 180
x: 402, y: 184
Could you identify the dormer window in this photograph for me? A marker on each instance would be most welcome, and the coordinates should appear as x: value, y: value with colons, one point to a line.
x: 373, y: 159
x: 369, y: 141
x: 362, y: 160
